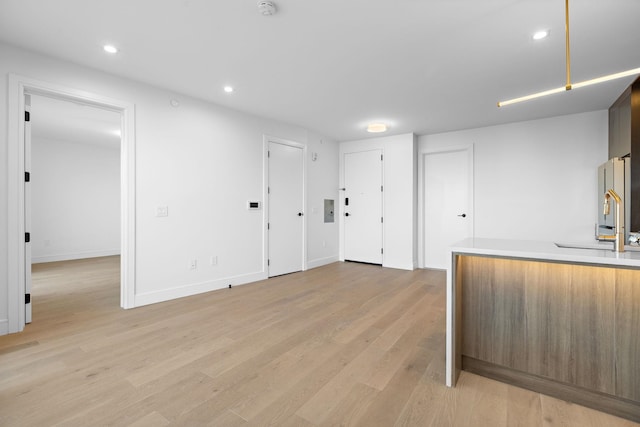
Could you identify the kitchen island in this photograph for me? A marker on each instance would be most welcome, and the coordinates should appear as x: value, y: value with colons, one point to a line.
x: 561, y: 321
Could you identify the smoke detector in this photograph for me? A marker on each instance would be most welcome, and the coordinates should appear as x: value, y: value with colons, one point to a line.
x: 267, y: 8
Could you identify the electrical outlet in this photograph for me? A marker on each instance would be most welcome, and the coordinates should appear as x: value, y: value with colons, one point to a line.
x: 193, y: 264
x: 214, y: 260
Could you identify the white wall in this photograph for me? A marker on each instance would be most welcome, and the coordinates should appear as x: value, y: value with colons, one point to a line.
x: 535, y: 180
x: 399, y: 199
x: 76, y: 200
x: 201, y: 160
x: 322, y: 178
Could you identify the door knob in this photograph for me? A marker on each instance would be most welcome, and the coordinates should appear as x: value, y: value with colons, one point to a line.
x: 463, y: 215
x: 300, y: 213
x: 346, y: 214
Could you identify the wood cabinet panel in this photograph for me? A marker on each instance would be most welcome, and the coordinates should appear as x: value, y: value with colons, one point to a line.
x: 627, y: 335
x: 552, y: 320
x: 592, y: 328
x: 548, y: 312
x: 498, y: 315
x: 476, y: 321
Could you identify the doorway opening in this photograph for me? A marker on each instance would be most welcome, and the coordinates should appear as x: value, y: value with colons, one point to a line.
x: 20, y: 90
x: 72, y: 203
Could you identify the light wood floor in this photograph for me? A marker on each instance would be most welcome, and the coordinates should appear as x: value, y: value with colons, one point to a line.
x: 344, y: 344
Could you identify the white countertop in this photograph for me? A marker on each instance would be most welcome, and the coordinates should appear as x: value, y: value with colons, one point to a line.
x: 549, y: 251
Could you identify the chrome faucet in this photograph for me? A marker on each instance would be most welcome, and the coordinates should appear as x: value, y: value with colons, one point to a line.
x: 618, y: 237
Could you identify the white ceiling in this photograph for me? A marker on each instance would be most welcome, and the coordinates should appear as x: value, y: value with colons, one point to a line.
x: 423, y: 66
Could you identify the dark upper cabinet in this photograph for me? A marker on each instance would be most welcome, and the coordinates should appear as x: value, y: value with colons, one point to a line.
x: 624, y: 140
x: 620, y: 126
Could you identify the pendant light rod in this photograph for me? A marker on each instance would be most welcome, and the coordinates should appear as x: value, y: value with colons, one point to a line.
x: 567, y: 48
x: 569, y: 85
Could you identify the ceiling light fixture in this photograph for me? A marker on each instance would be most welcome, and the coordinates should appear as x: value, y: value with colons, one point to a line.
x: 110, y: 48
x: 228, y: 89
x: 376, y: 128
x: 267, y: 8
x: 568, y: 85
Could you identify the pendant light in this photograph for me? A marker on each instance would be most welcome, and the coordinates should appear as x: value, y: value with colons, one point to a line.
x: 569, y: 85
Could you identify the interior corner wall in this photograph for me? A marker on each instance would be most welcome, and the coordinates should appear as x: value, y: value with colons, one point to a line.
x: 399, y: 201
x: 202, y: 161
x: 535, y: 180
x: 322, y: 183
x: 75, y: 200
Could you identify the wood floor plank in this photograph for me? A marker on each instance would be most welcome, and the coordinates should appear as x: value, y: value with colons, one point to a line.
x: 281, y: 375
x: 331, y: 395
x: 391, y: 401
x: 524, y: 408
x: 556, y: 412
x: 289, y: 403
x: 359, y: 322
x: 428, y: 402
x: 228, y: 419
x: 179, y: 360
x: 426, y: 406
x: 152, y: 419
x: 396, y: 356
x: 352, y: 408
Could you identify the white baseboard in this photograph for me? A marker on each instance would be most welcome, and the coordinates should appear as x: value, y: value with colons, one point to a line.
x: 321, y: 261
x: 77, y: 255
x: 196, y: 288
x: 409, y: 267
x: 4, y: 326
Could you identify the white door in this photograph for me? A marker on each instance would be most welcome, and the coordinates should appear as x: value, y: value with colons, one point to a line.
x: 447, y: 204
x: 363, y: 206
x: 286, y: 199
x: 27, y: 207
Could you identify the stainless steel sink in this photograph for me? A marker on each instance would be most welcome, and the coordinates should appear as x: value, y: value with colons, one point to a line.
x: 606, y: 246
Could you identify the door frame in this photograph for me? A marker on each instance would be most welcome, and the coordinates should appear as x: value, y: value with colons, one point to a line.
x: 18, y: 87
x: 265, y: 196
x: 422, y: 153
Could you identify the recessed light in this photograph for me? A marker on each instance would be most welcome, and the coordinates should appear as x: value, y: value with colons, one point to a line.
x: 539, y: 35
x: 376, y: 127
x: 228, y: 89
x: 110, y: 48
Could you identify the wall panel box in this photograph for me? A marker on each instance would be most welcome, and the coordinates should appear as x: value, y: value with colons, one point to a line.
x: 329, y: 215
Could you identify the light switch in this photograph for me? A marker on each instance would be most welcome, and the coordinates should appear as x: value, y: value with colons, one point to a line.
x: 162, y: 211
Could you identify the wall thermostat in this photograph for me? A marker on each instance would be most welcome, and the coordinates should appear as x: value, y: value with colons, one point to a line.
x: 252, y: 206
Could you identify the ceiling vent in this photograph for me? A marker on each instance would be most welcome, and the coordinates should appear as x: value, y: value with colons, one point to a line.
x: 267, y: 8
